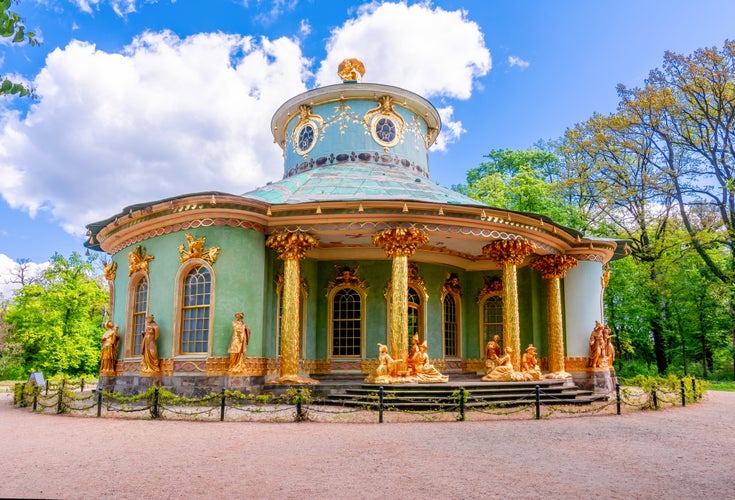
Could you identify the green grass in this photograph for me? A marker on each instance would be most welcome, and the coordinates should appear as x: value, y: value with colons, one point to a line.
x: 721, y: 386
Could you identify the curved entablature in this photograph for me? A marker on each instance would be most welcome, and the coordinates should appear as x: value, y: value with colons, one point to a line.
x: 456, y: 233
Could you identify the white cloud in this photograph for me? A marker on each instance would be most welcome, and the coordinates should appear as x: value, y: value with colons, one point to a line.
x: 164, y: 117
x: 121, y: 7
x: 451, y: 130
x: 304, y: 28
x: 9, y: 277
x: 86, y: 5
x: 517, y: 61
x: 432, y: 52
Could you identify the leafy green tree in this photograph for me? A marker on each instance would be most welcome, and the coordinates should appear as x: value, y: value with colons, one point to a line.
x: 523, y: 181
x: 12, y: 27
x: 57, y: 321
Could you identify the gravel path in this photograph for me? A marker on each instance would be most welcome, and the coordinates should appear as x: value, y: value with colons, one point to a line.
x: 673, y: 453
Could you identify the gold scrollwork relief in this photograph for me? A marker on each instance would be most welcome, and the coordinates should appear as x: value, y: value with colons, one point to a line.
x: 196, y: 250
x: 138, y: 260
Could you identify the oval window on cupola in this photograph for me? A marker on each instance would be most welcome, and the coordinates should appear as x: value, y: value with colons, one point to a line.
x: 385, y: 130
x: 305, y: 137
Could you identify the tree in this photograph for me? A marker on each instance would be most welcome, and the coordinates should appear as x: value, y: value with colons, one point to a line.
x: 523, y: 181
x: 689, y: 104
x: 58, y: 320
x: 12, y: 27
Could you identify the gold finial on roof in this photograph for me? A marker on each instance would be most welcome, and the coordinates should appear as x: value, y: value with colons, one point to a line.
x: 351, y: 70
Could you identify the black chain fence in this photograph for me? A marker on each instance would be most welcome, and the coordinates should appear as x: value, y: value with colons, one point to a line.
x: 298, y: 404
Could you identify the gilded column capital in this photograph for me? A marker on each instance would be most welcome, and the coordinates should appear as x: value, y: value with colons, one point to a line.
x: 399, y: 241
x: 291, y: 246
x: 508, y: 251
x: 553, y: 266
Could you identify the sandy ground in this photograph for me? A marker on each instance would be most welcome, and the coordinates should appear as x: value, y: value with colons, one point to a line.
x: 673, y: 453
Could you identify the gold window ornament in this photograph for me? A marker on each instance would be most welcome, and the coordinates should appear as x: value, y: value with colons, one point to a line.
x: 386, y: 126
x: 306, y: 131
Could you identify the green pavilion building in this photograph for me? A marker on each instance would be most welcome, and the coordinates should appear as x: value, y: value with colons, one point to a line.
x: 354, y: 246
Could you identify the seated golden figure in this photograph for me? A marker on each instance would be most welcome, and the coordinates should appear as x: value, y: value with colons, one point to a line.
x: 529, y: 364
x: 504, y: 371
x: 383, y: 374
x: 414, y: 355
x: 425, y: 371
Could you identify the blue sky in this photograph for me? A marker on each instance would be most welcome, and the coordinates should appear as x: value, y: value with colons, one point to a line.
x: 144, y: 99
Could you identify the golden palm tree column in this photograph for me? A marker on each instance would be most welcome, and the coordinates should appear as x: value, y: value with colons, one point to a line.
x: 291, y: 248
x: 399, y: 244
x: 510, y: 254
x: 553, y: 268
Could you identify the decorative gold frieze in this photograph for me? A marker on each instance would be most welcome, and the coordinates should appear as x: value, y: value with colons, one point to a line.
x: 401, y: 241
x: 110, y: 270
x: 138, y: 260
x: 291, y: 246
x: 553, y: 266
x: 196, y: 250
x: 508, y: 251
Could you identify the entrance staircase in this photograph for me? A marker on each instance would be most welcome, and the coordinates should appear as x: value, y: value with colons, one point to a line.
x: 353, y: 392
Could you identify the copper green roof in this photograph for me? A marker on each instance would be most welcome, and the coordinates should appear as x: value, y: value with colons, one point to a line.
x: 357, y: 182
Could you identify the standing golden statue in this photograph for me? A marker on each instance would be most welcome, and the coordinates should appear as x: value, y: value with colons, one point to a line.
x: 149, y: 364
x: 597, y: 347
x: 384, y: 373
x: 108, y: 353
x: 414, y: 356
x: 238, y: 345
x: 492, y: 354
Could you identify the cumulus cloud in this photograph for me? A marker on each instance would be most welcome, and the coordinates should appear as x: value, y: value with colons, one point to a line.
x: 121, y: 7
x: 165, y: 116
x: 9, y: 281
x: 517, y: 61
x: 432, y: 52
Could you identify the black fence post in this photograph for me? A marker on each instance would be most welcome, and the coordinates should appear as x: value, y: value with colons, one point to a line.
x: 35, y: 399
x: 299, y: 416
x: 683, y: 394
x: 617, y: 396
x: 154, y: 413
x: 461, y: 403
x: 694, y: 387
x: 99, y: 401
x: 538, y: 402
x: 81, y: 384
x: 60, y: 398
x: 380, y: 404
x: 47, y: 388
x: 222, y: 406
x: 654, y: 395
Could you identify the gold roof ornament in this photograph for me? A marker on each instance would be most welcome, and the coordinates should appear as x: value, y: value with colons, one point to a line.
x: 351, y: 70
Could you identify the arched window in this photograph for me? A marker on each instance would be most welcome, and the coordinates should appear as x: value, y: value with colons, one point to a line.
x: 347, y: 323
x: 195, y: 311
x: 492, y: 317
x: 414, y: 313
x: 139, y: 310
x: 451, y: 326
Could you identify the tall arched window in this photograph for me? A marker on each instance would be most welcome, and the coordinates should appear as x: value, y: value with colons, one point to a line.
x: 492, y: 317
x: 347, y: 323
x: 414, y: 313
x: 139, y: 309
x: 451, y: 326
x: 195, y: 313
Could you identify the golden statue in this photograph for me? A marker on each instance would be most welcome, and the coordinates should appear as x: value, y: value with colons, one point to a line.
x: 414, y: 355
x: 108, y: 355
x: 384, y: 373
x: 351, y: 70
x: 492, y: 353
x: 425, y: 371
x: 238, y: 345
x: 149, y: 350
x: 529, y: 364
x: 597, y: 347
x: 504, y: 371
x: 609, y: 350
x: 138, y: 260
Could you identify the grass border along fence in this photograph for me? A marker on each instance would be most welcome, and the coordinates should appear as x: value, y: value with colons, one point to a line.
x: 297, y: 404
